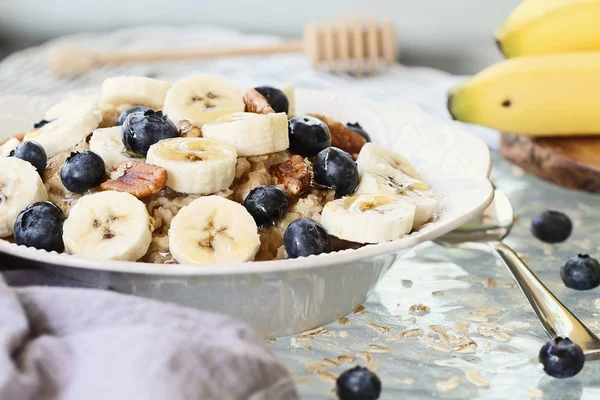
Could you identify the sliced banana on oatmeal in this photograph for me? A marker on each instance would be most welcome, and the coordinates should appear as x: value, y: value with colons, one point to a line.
x: 20, y: 185
x: 9, y: 146
x: 134, y: 90
x: 289, y: 91
x: 107, y: 143
x: 67, y: 131
x: 213, y: 230
x: 374, y: 154
x: 67, y: 106
x: 195, y: 165
x: 392, y: 182
x: 368, y: 218
x: 202, y: 99
x: 108, y: 226
x: 251, y: 134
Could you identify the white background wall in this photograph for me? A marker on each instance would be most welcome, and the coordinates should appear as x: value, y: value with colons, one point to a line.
x: 456, y: 35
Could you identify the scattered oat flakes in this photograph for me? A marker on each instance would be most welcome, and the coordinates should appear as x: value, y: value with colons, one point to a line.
x: 378, y: 349
x: 330, y: 362
x: 343, y: 321
x: 315, y: 367
x: 411, y: 320
x: 359, y: 309
x: 342, y: 334
x: 475, y: 379
x: 296, y: 344
x: 438, y: 329
x: 489, y: 325
x: 470, y: 348
x: 270, y: 341
x: 441, y: 347
x: 509, y: 327
x: 438, y: 293
x: 487, y: 349
x: 408, y: 380
x: 450, y: 384
x: 535, y: 393
x: 506, y: 285
x: 547, y: 251
x: 368, y: 357
x: 501, y: 337
x: 378, y: 328
x: 312, y: 332
x: 489, y: 283
x: 411, y: 333
x: 373, y: 367
x: 478, y: 318
x: 460, y: 327
x: 419, y: 309
x: 487, y: 311
x: 485, y: 332
x: 327, y: 376
x: 346, y: 359
x: 302, y: 379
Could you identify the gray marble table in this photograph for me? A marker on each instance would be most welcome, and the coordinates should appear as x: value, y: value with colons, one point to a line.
x: 444, y: 323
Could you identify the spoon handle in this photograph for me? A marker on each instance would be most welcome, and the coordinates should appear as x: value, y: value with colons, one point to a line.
x: 555, y: 317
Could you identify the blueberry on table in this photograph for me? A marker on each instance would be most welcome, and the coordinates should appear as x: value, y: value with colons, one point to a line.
x: 335, y: 169
x: 33, y: 153
x: 305, y: 237
x: 266, y: 204
x: 561, y: 358
x: 551, y: 227
x: 581, y: 272
x: 42, y: 123
x: 308, y: 135
x: 358, y: 129
x: 358, y: 383
x: 275, y: 97
x: 131, y: 110
x: 143, y: 129
x: 40, y: 225
x: 83, y: 171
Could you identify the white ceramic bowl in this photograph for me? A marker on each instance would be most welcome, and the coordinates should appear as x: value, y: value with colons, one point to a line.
x: 283, y: 297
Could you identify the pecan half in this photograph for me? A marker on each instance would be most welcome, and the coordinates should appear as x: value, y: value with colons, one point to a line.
x: 257, y: 103
x: 188, y: 129
x: 293, y: 176
x: 342, y: 137
x: 139, y: 179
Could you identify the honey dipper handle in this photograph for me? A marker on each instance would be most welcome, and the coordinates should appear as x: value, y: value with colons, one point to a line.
x: 278, y: 48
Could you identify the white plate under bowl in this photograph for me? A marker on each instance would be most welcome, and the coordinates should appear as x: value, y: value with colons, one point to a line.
x: 283, y: 297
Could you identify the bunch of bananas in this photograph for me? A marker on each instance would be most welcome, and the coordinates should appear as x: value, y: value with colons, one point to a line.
x: 549, y: 84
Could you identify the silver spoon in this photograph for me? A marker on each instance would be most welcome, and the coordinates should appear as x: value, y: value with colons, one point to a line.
x: 487, y: 232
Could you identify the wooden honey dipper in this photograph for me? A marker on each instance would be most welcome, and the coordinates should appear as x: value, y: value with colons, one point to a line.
x: 355, y: 47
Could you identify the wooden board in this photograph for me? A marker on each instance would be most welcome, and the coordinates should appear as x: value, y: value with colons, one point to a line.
x: 570, y: 162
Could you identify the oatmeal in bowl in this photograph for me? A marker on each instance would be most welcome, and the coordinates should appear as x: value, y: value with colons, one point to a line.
x: 201, y: 172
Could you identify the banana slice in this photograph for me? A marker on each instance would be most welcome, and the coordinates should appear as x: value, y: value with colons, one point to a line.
x: 67, y: 106
x: 373, y: 154
x: 213, y: 230
x: 67, y: 131
x: 195, y: 165
x: 134, y: 90
x: 251, y: 134
x: 107, y: 143
x: 9, y: 146
x: 388, y: 181
x: 20, y: 185
x: 289, y: 90
x: 202, y: 99
x: 108, y: 226
x: 369, y: 218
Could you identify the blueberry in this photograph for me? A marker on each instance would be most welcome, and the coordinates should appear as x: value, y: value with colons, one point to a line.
x: 132, y: 110
x: 83, y: 171
x: 40, y: 225
x: 334, y: 168
x: 561, y: 358
x: 358, y: 383
x: 359, y: 129
x: 551, y: 227
x: 33, y: 153
x: 43, y: 122
x: 142, y: 129
x: 266, y: 204
x: 581, y: 272
x: 305, y: 237
x: 276, y: 98
x: 308, y: 136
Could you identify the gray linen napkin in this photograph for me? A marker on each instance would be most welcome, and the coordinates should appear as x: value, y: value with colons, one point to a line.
x: 74, y: 344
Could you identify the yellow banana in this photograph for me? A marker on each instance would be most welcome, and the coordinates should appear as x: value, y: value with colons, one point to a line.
x: 551, y: 26
x: 539, y: 96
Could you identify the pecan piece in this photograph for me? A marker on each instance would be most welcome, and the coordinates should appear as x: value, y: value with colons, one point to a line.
x: 342, y: 137
x: 293, y: 176
x: 187, y: 128
x: 139, y: 179
x: 257, y: 103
